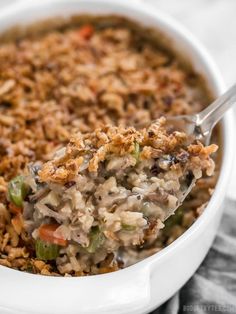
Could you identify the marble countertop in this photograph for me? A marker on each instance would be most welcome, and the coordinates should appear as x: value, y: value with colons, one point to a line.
x: 213, y: 22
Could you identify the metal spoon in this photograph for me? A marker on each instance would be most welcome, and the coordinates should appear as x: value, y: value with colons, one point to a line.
x: 199, y: 126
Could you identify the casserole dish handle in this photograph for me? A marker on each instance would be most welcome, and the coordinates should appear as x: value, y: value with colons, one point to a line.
x: 126, y: 291
x: 129, y: 292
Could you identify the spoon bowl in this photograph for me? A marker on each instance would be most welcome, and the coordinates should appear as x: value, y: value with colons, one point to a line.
x: 198, y: 127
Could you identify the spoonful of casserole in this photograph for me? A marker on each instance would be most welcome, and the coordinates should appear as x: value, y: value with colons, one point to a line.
x: 116, y: 186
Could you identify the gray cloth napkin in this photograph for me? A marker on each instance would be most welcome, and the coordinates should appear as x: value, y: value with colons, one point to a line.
x: 213, y: 287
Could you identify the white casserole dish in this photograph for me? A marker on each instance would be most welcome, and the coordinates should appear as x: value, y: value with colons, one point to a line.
x: 144, y: 286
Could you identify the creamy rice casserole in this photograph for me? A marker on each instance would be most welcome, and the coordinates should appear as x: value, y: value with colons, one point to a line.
x: 81, y: 191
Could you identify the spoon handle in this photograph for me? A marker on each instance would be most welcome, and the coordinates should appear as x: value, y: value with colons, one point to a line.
x: 208, y: 118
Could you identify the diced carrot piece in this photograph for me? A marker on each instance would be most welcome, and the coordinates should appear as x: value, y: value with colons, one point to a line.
x: 17, y: 223
x: 15, y: 209
x: 46, y: 233
x: 86, y: 31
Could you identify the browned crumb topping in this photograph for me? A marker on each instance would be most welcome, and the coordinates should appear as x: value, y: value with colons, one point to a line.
x: 94, y: 148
